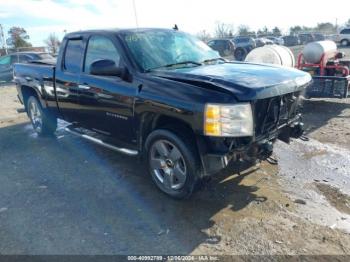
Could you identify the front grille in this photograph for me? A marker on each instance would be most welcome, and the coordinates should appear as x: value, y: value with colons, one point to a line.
x: 271, y: 113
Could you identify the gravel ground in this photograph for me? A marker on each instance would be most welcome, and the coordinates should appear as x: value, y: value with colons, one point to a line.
x: 64, y: 195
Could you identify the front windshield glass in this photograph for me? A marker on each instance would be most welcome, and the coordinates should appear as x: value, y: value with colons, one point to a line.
x: 157, y: 49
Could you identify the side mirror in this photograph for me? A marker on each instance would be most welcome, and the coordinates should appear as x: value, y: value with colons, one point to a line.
x: 106, y: 67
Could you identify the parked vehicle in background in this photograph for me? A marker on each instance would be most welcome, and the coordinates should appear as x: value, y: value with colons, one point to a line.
x: 225, y: 47
x: 267, y: 41
x: 319, y: 37
x: 344, y: 37
x: 291, y: 40
x: 276, y: 40
x: 243, y: 44
x: 7, y: 61
x: 306, y: 38
x: 259, y: 42
x: 333, y: 37
x: 167, y: 97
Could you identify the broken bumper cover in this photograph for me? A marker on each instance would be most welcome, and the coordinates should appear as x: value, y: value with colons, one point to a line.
x: 260, y: 148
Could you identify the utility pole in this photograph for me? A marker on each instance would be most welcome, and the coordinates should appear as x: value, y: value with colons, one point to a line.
x: 135, y: 13
x: 336, y: 25
x: 2, y: 38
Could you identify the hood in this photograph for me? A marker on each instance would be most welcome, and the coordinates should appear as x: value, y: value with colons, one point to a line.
x: 245, y: 80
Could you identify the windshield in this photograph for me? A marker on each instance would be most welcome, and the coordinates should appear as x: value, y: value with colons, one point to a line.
x: 157, y: 49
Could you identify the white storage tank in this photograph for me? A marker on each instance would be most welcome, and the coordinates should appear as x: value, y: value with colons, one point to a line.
x: 272, y: 54
x: 313, y: 51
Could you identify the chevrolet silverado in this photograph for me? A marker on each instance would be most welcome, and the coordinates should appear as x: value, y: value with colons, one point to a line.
x: 165, y: 96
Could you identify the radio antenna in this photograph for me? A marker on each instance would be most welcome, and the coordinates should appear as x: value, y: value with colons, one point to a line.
x: 135, y: 12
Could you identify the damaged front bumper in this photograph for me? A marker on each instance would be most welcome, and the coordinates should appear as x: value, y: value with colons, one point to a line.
x: 216, y: 155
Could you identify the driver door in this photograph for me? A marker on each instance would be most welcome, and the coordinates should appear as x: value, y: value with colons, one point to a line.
x: 106, y: 102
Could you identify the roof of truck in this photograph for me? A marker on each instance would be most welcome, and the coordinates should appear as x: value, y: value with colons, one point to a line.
x: 117, y: 30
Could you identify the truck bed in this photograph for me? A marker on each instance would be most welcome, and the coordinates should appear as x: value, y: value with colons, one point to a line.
x: 39, y: 76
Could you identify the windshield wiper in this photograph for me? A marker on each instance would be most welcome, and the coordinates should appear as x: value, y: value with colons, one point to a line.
x: 175, y: 64
x: 214, y: 59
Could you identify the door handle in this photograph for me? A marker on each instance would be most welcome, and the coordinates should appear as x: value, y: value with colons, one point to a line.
x: 85, y: 87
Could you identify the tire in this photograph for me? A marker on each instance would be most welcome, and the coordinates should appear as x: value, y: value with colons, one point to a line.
x: 344, y: 42
x: 240, y: 54
x: 43, y: 123
x: 173, y: 163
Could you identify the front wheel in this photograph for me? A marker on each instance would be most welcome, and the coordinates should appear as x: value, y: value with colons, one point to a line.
x: 173, y: 163
x: 43, y: 123
x: 240, y: 54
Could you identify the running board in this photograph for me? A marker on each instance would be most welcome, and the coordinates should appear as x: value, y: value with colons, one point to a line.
x: 100, y: 142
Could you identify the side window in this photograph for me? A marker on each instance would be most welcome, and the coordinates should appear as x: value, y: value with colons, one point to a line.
x: 23, y: 59
x: 100, y: 47
x: 211, y: 43
x: 5, y: 60
x: 73, y: 56
x: 345, y: 31
x: 14, y: 59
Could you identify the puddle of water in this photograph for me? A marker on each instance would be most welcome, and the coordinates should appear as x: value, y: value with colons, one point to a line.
x: 336, y: 198
x: 301, y: 164
x: 309, y: 155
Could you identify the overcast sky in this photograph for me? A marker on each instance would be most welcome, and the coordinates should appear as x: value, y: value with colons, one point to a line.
x: 41, y: 17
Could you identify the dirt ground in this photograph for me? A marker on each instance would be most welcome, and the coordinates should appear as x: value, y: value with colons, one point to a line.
x: 64, y: 195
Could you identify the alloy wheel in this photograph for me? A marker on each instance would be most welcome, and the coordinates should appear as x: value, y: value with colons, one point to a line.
x: 168, y: 166
x: 35, y: 115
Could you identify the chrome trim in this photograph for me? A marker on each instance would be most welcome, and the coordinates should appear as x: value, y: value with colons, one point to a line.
x: 85, y: 87
x: 100, y: 142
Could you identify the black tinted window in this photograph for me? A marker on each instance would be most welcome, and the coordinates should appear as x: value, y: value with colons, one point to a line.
x: 73, y: 56
x: 345, y: 31
x: 211, y: 43
x: 100, y: 47
x: 23, y: 58
x: 241, y: 40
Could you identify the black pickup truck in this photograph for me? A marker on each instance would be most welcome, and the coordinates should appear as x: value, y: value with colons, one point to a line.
x: 166, y: 96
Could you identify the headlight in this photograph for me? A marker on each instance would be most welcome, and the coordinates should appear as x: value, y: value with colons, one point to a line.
x: 228, y: 120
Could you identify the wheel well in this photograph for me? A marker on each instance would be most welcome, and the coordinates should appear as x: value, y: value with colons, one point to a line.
x: 175, y: 125
x: 26, y: 93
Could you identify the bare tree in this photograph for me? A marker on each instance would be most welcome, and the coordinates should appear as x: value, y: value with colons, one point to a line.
x: 299, y: 29
x: 203, y: 35
x: 223, y: 30
x: 276, y: 31
x: 347, y: 22
x: 53, y: 43
x: 326, y: 28
x: 244, y: 30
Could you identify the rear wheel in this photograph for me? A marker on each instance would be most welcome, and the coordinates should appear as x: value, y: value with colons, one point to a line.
x: 173, y: 163
x: 43, y: 123
x: 344, y: 42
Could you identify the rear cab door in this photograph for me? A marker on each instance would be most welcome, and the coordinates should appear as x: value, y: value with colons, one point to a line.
x: 68, y: 70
